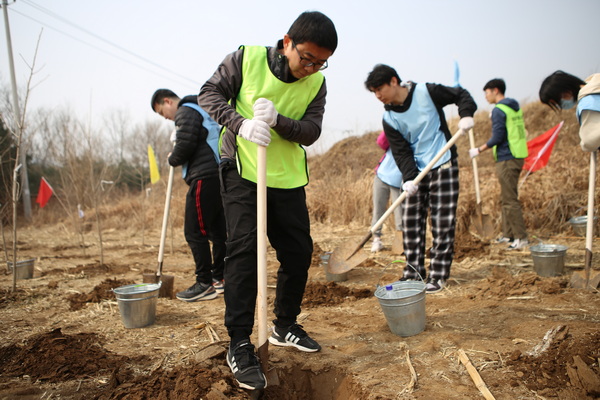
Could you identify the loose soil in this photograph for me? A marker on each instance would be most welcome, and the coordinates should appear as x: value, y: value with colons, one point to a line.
x: 62, y: 334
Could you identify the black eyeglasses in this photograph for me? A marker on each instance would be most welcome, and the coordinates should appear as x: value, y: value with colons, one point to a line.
x: 305, y: 62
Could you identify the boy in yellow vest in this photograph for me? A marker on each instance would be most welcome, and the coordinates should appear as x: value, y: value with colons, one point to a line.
x: 509, y: 144
x: 275, y: 97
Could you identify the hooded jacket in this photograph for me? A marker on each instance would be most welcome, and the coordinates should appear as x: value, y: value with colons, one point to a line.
x: 499, y: 133
x: 191, y: 146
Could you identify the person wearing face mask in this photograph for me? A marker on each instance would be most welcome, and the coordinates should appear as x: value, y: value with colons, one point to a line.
x: 509, y: 144
x: 270, y: 96
x: 562, y: 91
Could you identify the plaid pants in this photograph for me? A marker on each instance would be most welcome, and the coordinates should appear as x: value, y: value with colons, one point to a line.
x: 438, y: 194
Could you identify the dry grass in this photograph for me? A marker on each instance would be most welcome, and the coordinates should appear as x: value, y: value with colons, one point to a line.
x: 341, y: 181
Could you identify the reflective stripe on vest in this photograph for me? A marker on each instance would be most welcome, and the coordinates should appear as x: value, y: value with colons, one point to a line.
x: 515, y: 128
x: 286, y: 161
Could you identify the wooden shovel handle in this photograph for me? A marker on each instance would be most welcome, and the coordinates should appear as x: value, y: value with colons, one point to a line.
x: 261, y: 250
x: 475, y: 171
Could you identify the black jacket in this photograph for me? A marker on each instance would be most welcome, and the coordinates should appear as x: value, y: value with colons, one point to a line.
x: 190, y: 145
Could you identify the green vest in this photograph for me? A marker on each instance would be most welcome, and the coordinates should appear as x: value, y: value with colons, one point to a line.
x: 515, y: 128
x: 286, y: 161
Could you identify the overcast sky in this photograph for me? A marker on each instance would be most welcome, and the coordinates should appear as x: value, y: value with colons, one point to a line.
x: 96, y: 58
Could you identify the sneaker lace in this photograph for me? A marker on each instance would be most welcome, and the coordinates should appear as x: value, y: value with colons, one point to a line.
x: 297, y: 330
x: 245, y: 356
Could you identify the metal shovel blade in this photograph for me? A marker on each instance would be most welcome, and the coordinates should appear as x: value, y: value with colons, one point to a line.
x: 483, y: 225
x: 342, y: 260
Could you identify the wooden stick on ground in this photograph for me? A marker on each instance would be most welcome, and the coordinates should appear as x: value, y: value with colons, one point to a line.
x: 413, y: 374
x: 475, y: 375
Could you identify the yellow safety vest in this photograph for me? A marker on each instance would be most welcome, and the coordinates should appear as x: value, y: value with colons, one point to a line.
x: 287, y: 167
x: 515, y: 128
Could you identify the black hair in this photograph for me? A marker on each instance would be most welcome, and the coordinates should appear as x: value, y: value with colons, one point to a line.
x: 381, y: 75
x: 160, y: 95
x: 555, y: 85
x: 315, y: 27
x: 496, y: 83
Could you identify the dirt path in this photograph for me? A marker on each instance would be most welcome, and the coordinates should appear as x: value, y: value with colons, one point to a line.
x: 62, y: 335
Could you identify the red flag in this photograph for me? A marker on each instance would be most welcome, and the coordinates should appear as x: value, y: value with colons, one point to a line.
x: 540, y: 149
x: 44, y: 193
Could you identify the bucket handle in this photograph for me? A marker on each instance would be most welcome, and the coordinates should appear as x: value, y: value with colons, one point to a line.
x: 394, y: 262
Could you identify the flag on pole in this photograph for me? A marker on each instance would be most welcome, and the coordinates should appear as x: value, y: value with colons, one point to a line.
x: 154, y: 173
x: 540, y: 149
x: 456, y: 82
x: 44, y: 193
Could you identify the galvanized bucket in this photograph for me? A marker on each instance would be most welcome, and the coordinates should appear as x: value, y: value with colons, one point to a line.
x: 579, y: 225
x: 403, y: 304
x: 137, y: 304
x: 548, y: 259
x: 24, y: 268
x: 331, y: 277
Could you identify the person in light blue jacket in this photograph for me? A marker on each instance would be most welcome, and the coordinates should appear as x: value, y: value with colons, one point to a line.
x: 386, y: 182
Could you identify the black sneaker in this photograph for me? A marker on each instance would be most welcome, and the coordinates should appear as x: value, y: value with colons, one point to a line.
x: 295, y: 336
x: 219, y: 285
x: 245, y: 366
x: 434, y: 285
x: 198, y: 291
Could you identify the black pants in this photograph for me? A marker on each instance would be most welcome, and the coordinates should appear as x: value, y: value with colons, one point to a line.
x: 204, y: 221
x: 288, y: 230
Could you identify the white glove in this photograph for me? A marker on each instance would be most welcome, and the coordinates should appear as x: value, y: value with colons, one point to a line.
x: 474, y: 152
x: 264, y: 110
x: 256, y: 131
x: 410, y: 188
x: 173, y: 136
x: 466, y: 123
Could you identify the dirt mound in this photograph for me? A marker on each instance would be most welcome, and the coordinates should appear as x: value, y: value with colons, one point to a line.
x: 56, y: 357
x: 502, y: 284
x: 318, y: 294
x: 101, y: 292
x: 90, y: 269
x: 564, y: 370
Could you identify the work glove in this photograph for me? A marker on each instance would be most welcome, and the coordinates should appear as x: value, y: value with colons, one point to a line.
x: 410, y: 188
x: 256, y: 131
x: 466, y: 123
x: 173, y: 136
x: 474, y: 152
x: 264, y: 110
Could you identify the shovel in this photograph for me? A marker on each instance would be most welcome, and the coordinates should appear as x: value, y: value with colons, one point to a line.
x: 347, y: 256
x: 166, y: 287
x: 585, y: 279
x: 481, y: 222
x: 261, y: 250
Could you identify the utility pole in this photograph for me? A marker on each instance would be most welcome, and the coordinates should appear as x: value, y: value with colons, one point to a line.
x: 19, y: 123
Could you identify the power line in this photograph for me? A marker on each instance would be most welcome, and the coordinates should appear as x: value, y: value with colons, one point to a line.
x: 128, y: 52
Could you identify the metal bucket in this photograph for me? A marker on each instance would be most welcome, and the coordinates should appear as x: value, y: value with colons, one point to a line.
x: 328, y: 275
x: 24, y: 268
x: 137, y: 304
x: 548, y: 259
x: 579, y: 225
x: 403, y: 304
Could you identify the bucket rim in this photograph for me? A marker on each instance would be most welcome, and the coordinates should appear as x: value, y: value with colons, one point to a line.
x: 419, y: 288
x: 548, y: 248
x: 152, y: 287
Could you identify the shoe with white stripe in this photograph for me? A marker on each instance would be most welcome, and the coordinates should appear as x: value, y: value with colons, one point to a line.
x: 245, y: 366
x: 294, y: 336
